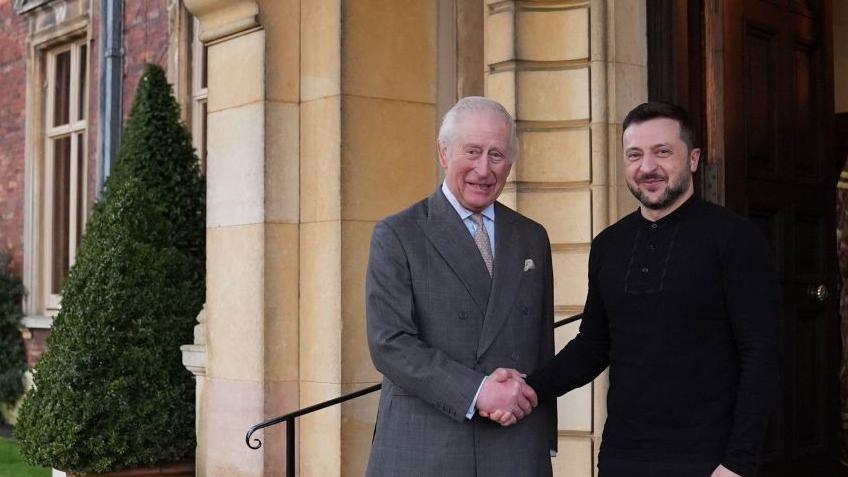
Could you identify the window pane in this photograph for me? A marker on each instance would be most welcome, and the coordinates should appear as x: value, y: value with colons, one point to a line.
x: 62, y: 91
x: 80, y: 218
x: 204, y: 57
x: 82, y: 74
x: 61, y: 189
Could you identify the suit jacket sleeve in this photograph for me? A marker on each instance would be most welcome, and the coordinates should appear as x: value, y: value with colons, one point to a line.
x: 393, y: 339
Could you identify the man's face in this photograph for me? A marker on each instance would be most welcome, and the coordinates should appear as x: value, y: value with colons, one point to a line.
x: 658, y: 165
x: 475, y: 162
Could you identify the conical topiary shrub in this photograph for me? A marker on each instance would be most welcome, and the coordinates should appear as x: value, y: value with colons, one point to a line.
x: 12, y: 362
x: 111, y: 392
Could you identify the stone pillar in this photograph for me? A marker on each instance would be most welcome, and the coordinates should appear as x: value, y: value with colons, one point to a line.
x: 321, y: 122
x: 368, y: 93
x: 569, y: 70
x: 251, y: 311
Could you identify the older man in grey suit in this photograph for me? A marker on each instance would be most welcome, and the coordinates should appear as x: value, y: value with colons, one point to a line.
x: 459, y: 285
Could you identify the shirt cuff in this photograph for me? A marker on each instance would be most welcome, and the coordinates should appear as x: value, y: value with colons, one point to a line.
x: 470, y: 414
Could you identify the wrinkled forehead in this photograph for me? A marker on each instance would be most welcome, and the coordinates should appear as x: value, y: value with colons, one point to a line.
x: 481, y: 123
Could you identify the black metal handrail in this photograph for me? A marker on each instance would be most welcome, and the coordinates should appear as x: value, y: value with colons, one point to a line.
x: 290, y: 417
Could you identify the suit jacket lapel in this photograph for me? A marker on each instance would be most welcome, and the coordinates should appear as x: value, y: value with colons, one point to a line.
x: 508, y: 271
x: 451, y: 239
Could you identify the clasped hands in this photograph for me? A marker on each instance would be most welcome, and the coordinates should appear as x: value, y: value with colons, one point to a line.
x: 505, y: 398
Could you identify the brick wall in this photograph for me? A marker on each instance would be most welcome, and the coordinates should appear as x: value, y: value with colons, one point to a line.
x: 145, y: 41
x: 146, y: 28
x: 12, y: 132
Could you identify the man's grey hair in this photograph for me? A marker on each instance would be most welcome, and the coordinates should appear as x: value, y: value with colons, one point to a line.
x: 478, y: 104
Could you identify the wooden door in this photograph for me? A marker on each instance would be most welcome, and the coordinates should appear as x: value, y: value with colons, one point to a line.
x: 771, y: 130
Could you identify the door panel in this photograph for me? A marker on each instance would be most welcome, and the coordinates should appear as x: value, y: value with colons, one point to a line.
x: 776, y: 97
x: 760, y: 89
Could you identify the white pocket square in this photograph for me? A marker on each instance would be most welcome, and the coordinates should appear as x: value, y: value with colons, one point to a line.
x: 528, y: 264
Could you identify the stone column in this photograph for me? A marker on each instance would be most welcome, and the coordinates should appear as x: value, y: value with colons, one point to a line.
x: 368, y: 93
x: 567, y: 69
x: 321, y: 122
x: 251, y: 312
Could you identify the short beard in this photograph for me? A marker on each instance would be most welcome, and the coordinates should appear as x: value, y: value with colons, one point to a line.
x: 672, y: 193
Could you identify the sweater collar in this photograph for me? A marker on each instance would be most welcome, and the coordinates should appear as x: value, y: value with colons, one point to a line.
x: 685, y: 210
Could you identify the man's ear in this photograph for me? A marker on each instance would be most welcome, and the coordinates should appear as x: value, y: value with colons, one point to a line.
x: 443, y: 154
x: 694, y: 159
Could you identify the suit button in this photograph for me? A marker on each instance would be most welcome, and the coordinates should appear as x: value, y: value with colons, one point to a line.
x: 463, y: 315
x: 515, y: 356
x: 525, y: 310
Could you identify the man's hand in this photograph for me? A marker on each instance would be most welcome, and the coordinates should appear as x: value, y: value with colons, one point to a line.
x: 506, y: 395
x: 722, y: 471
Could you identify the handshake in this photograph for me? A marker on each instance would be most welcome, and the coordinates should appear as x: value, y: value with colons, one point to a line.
x: 505, y: 398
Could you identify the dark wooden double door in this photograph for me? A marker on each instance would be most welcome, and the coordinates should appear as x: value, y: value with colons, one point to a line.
x: 758, y: 76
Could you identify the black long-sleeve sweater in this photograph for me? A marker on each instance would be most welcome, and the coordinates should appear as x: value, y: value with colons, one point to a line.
x: 686, y: 313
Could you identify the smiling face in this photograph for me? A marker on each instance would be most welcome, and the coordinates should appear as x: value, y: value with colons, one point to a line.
x: 658, y: 166
x: 476, y: 161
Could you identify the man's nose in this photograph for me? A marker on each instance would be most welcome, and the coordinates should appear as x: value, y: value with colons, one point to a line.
x: 482, y: 166
x: 648, y: 163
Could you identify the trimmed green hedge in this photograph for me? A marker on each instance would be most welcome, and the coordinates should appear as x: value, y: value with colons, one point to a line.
x: 111, y: 391
x: 12, y: 360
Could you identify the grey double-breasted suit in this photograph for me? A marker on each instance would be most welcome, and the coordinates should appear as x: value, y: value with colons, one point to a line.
x: 438, y: 324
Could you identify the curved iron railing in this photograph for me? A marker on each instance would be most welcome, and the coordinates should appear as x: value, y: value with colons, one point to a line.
x: 290, y: 417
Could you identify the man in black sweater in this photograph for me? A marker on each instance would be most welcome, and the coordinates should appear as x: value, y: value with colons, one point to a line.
x: 683, y: 306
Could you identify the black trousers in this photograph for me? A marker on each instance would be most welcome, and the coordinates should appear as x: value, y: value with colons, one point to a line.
x: 612, y: 467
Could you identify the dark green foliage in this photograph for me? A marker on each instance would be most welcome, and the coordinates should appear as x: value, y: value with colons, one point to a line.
x: 12, y: 361
x: 111, y: 392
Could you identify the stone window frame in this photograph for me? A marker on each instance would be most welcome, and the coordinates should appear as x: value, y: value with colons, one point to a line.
x: 40, y: 305
x: 23, y: 6
x: 199, y: 93
x: 76, y: 131
x: 187, y: 57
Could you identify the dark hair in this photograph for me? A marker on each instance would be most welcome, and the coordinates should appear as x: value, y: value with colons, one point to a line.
x: 660, y: 109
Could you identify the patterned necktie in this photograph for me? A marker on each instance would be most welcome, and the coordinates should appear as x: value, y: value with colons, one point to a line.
x: 481, y: 238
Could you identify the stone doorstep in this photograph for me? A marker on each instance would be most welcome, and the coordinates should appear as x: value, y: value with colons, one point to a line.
x: 180, y: 469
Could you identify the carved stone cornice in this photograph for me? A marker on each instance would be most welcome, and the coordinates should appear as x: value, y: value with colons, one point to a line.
x: 221, y: 18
